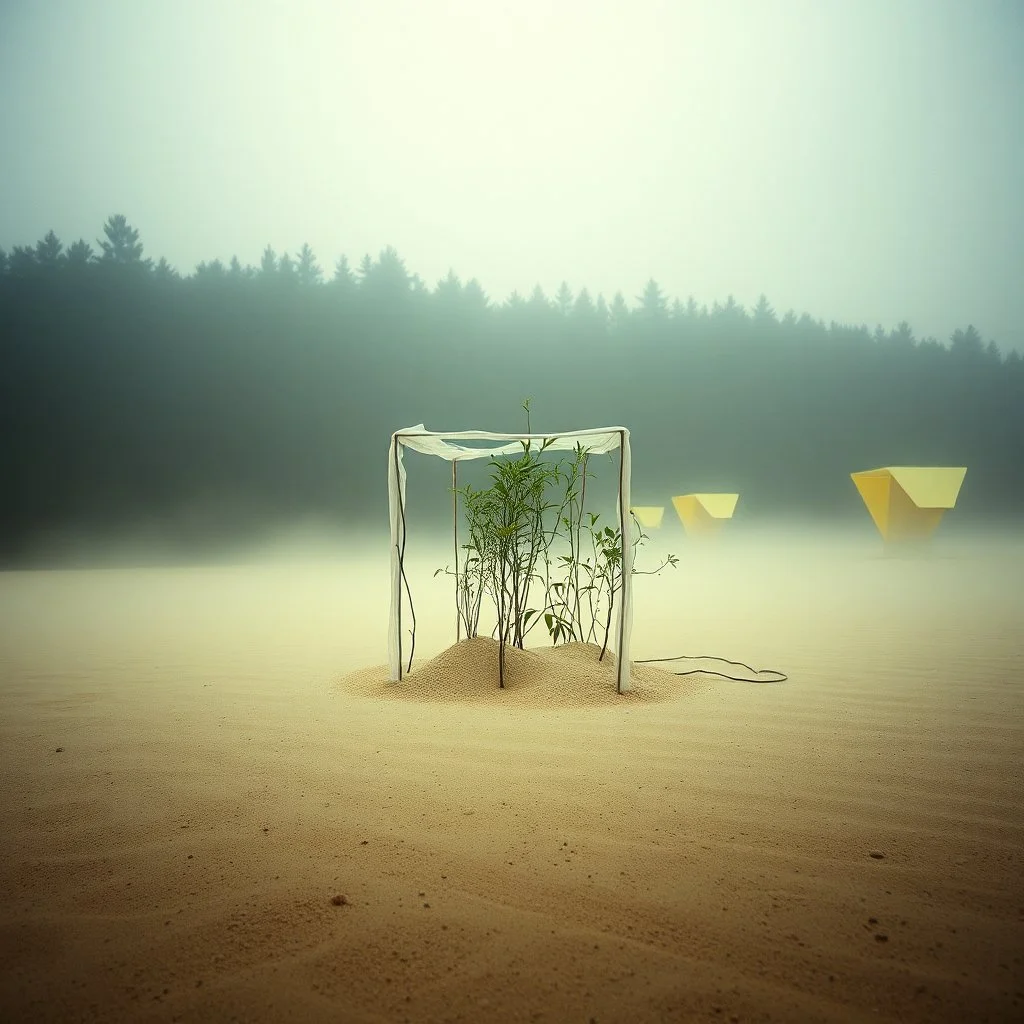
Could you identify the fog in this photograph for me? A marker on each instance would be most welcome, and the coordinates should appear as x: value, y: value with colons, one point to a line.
x: 856, y: 161
x: 298, y: 611
x: 241, y: 244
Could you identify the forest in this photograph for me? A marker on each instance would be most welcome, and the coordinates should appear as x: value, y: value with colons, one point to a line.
x: 221, y: 403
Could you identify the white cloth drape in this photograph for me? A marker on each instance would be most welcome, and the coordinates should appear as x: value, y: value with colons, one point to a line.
x: 598, y: 442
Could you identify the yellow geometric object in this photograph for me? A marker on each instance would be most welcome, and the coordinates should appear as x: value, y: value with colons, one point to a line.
x: 648, y: 515
x: 703, y: 514
x: 907, y: 502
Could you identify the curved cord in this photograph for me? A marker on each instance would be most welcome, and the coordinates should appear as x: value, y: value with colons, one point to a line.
x: 781, y: 676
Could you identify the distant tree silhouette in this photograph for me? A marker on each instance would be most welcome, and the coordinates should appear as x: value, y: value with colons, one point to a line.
x: 287, y: 271
x: 121, y: 246
x: 763, y: 314
x: 448, y: 291
x: 618, y: 314
x: 268, y: 263
x: 48, y: 251
x: 583, y: 309
x: 385, y: 279
x: 475, y: 297
x: 966, y: 344
x: 653, y: 306
x: 563, y: 299
x: 344, y: 281
x: 163, y: 271
x: 22, y: 262
x: 218, y: 404
x: 307, y: 269
x: 211, y: 272
x: 80, y: 254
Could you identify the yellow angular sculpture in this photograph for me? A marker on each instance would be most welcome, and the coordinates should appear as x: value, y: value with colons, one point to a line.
x: 648, y: 515
x: 702, y: 515
x: 907, y: 502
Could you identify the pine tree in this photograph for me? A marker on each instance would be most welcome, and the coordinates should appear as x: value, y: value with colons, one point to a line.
x: 538, y: 301
x: 307, y: 269
x: 902, y: 337
x: 286, y: 269
x: 22, y: 262
x: 210, y: 272
x: 268, y: 263
x: 966, y: 343
x: 122, y: 247
x: 474, y: 296
x: 164, y: 271
x: 764, y: 315
x: 448, y: 290
x: 344, y: 280
x: 563, y: 299
x: 618, y: 315
x: 653, y: 305
x: 583, y: 308
x: 48, y: 251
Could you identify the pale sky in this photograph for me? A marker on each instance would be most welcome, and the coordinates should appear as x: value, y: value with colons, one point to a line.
x: 860, y: 160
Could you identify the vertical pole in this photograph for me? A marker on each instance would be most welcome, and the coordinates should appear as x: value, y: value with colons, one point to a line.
x: 455, y: 534
x: 401, y: 552
x: 626, y: 605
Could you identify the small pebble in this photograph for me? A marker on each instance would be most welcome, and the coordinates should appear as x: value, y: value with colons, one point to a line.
x: 877, y: 854
x: 60, y: 750
x: 341, y: 900
x: 881, y: 937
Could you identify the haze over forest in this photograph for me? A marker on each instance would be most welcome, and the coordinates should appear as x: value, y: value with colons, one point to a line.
x: 242, y: 244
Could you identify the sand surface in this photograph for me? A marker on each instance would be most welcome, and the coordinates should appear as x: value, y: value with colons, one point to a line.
x: 843, y: 846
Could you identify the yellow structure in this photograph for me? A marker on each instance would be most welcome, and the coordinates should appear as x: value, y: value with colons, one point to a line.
x: 703, y: 514
x: 907, y: 502
x: 648, y: 515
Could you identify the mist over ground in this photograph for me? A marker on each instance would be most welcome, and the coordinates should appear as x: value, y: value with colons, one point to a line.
x: 779, y: 243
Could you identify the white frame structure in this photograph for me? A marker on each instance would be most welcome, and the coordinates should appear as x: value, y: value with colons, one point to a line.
x: 600, y: 441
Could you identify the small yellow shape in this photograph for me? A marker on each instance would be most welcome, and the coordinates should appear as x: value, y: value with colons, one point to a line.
x: 703, y: 514
x: 648, y: 515
x: 907, y: 502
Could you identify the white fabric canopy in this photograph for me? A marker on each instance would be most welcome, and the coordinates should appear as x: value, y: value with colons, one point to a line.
x: 599, y: 442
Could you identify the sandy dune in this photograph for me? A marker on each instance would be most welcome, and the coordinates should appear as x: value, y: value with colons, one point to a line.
x: 847, y: 845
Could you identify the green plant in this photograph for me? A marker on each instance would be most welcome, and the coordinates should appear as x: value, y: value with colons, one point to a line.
x: 507, y: 538
x: 580, y: 605
x: 514, y: 529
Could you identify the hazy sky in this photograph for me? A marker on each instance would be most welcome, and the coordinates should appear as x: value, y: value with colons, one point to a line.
x: 861, y: 160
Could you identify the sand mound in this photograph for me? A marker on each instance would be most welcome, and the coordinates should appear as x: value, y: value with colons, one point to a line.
x: 568, y: 675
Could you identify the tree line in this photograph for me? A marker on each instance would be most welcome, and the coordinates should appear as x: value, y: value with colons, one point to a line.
x: 215, y: 404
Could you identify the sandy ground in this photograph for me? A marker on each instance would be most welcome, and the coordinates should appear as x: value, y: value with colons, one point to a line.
x: 196, y: 761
